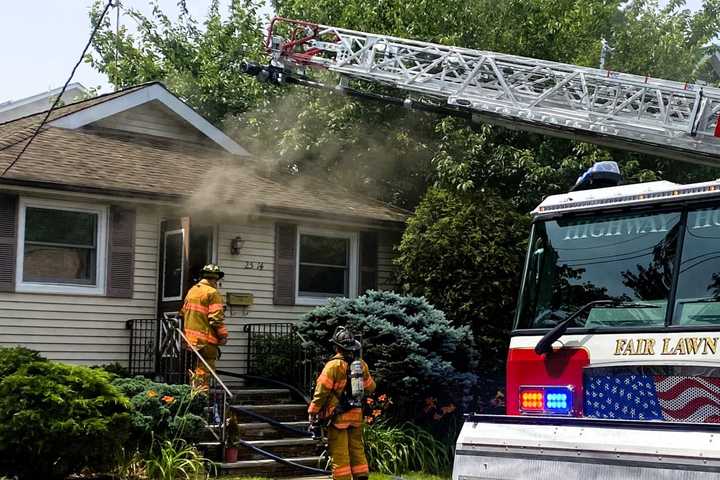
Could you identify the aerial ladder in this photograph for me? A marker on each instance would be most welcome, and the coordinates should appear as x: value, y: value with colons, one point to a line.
x: 552, y: 428
x: 659, y: 117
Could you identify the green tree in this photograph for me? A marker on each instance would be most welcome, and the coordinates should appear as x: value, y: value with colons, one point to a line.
x: 200, y: 62
x: 465, y: 252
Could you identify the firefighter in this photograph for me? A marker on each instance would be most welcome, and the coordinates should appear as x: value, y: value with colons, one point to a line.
x: 204, y: 321
x: 335, y: 403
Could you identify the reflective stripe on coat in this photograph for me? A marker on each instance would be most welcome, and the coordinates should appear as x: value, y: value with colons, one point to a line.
x: 329, y: 388
x: 204, y: 315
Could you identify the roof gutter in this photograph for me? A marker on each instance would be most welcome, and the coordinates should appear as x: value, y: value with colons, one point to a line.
x: 113, y: 194
x: 176, y: 200
x: 287, y: 212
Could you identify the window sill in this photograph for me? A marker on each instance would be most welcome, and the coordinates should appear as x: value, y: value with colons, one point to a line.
x: 312, y: 301
x: 58, y: 289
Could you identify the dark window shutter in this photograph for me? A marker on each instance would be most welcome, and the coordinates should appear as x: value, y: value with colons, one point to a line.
x: 121, y: 254
x: 285, y: 254
x: 8, y: 240
x: 368, y: 261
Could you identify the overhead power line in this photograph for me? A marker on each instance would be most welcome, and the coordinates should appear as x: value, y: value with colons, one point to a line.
x: 62, y: 92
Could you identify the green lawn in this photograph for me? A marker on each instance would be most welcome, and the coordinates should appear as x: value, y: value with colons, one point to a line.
x: 373, y: 476
x: 408, y: 476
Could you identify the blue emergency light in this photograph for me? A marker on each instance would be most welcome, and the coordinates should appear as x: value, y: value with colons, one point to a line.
x: 540, y: 400
x: 600, y: 175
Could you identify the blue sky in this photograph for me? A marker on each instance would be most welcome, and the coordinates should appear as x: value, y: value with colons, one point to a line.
x: 40, y: 41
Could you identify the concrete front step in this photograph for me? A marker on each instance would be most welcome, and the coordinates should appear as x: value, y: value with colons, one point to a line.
x: 291, y: 412
x: 262, y: 396
x: 283, y: 447
x: 265, y: 431
x: 270, y: 468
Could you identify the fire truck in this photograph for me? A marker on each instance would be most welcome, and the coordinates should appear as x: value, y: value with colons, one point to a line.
x: 613, y: 368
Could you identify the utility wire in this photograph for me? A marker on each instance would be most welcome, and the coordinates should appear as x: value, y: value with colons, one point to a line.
x: 62, y: 92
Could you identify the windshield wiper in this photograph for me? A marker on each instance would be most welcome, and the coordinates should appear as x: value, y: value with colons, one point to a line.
x: 545, y: 343
x: 701, y: 300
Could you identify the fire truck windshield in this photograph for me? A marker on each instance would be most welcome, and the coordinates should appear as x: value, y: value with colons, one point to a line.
x: 631, y: 257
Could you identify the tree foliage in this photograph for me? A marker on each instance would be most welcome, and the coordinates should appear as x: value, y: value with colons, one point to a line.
x: 413, y: 351
x: 465, y: 252
x: 201, y: 62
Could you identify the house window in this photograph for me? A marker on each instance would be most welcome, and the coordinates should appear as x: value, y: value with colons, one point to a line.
x: 61, y: 247
x: 327, y: 266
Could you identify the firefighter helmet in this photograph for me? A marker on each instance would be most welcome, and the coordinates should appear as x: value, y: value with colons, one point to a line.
x: 344, y: 339
x: 212, y: 271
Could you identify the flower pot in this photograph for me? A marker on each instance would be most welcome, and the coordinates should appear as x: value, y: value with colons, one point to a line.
x: 231, y: 454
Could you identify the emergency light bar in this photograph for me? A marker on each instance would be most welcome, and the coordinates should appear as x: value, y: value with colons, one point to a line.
x: 546, y: 400
x: 626, y: 195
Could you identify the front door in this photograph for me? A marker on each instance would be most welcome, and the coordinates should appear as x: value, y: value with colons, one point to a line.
x: 183, y: 251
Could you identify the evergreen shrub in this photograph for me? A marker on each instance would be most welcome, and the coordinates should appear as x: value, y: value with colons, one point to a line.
x: 12, y: 359
x: 415, y: 354
x: 57, y: 419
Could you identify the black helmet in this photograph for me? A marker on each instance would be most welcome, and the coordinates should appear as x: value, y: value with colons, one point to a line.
x: 344, y: 339
x: 212, y: 271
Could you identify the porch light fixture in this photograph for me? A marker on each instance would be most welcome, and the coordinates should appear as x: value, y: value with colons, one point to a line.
x: 236, y: 245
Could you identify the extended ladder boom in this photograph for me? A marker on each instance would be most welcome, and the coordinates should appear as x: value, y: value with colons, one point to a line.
x: 655, y: 116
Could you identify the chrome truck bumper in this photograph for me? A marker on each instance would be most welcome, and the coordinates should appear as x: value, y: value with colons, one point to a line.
x: 532, y: 448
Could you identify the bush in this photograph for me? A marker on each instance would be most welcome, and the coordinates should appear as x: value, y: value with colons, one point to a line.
x: 396, y: 449
x: 115, y: 369
x: 274, y: 356
x: 413, y: 351
x: 56, y: 419
x: 464, y: 253
x: 12, y: 359
x: 162, y: 412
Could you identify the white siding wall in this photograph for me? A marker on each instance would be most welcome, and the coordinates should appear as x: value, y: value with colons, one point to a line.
x: 386, y: 270
x: 156, y: 119
x: 259, y: 246
x: 85, y: 329
x: 91, y: 330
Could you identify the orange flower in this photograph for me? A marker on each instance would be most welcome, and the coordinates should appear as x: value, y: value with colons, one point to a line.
x: 382, y: 397
x: 448, y: 409
x: 376, y: 413
x: 168, y: 399
x: 370, y: 401
x: 429, y: 404
x: 152, y: 393
x: 369, y: 420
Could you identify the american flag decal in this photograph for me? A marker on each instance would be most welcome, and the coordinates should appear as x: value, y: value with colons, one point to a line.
x: 653, y: 397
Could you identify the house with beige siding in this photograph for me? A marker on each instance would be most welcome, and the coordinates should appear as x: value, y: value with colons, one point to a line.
x: 108, y: 216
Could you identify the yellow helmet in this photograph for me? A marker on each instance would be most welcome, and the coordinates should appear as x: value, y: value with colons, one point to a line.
x: 212, y: 271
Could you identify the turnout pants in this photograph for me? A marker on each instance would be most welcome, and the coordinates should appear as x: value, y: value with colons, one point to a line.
x: 348, y: 453
x: 202, y: 376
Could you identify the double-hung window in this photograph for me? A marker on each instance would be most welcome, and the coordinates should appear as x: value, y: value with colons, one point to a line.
x: 326, y: 265
x: 61, y: 247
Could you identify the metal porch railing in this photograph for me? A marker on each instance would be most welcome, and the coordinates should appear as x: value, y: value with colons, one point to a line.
x: 277, y: 351
x: 160, y: 349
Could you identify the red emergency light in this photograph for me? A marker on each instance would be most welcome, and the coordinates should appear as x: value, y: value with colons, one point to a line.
x: 549, y: 384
